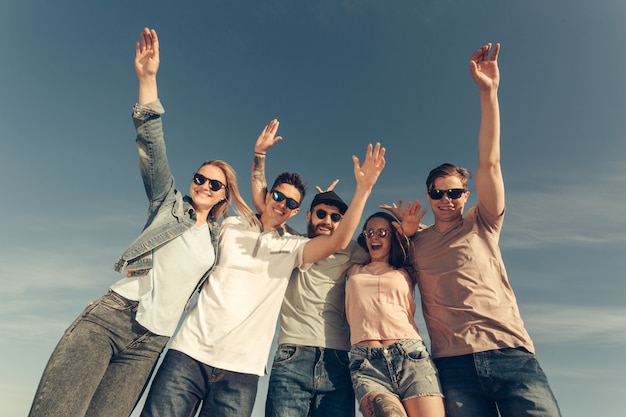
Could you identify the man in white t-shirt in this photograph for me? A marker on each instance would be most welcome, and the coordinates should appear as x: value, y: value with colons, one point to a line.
x: 223, y: 344
x: 310, y: 374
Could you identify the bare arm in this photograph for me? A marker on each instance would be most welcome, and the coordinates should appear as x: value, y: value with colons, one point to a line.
x: 489, y: 181
x: 366, y: 176
x: 147, y: 65
x: 266, y: 140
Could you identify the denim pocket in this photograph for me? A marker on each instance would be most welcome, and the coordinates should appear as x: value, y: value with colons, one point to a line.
x: 356, y: 364
x: 114, y: 301
x: 285, y: 353
x: 418, y: 353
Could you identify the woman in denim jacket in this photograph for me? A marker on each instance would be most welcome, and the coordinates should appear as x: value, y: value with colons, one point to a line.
x: 105, y: 358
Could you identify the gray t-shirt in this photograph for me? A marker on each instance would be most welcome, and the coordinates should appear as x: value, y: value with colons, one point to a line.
x: 313, y: 311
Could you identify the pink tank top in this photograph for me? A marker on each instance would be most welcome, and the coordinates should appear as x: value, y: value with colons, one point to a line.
x: 379, y: 303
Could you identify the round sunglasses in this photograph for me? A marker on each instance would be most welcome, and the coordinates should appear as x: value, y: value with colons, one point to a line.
x: 214, y: 185
x: 321, y: 214
x: 369, y: 233
x: 453, y: 193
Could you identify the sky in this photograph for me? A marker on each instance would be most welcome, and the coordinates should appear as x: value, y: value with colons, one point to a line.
x: 338, y: 74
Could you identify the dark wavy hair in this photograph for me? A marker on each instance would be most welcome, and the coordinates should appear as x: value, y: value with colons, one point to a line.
x: 400, y: 251
x: 291, y: 178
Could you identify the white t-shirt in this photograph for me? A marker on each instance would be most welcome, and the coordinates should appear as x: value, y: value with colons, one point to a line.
x: 163, y: 292
x: 232, y: 325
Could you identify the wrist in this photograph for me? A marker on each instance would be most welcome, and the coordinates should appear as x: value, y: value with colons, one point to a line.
x: 256, y: 153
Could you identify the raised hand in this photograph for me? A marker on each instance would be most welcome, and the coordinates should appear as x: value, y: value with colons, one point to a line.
x: 331, y: 187
x: 367, y: 174
x: 410, y: 216
x: 483, y: 69
x: 147, y: 54
x: 268, y: 137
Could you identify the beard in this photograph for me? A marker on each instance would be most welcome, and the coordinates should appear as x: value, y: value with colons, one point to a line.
x: 312, y: 231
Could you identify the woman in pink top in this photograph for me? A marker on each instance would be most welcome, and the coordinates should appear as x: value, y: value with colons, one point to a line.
x: 392, y: 372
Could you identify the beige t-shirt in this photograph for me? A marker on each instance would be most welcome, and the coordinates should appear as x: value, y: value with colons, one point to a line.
x: 467, y: 301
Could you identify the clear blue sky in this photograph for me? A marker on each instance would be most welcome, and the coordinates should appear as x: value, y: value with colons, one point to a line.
x: 337, y: 74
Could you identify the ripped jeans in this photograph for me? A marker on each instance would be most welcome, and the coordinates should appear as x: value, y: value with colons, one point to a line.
x: 101, y: 365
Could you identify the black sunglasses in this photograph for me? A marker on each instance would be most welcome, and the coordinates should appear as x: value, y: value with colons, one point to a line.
x: 321, y: 214
x: 453, y: 193
x: 369, y: 233
x: 290, y: 203
x: 214, y: 185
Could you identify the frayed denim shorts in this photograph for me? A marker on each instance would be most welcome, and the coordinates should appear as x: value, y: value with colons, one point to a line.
x: 403, y: 369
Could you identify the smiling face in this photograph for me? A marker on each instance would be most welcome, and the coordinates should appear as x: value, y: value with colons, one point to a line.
x: 448, y: 211
x: 378, y: 246
x: 277, y: 213
x: 326, y: 225
x: 202, y: 196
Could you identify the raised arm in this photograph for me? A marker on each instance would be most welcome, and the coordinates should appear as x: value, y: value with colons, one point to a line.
x: 153, y: 165
x: 147, y: 65
x: 366, y: 176
x: 266, y: 140
x: 489, y: 181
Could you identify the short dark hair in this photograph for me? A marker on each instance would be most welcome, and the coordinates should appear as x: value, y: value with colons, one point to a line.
x: 448, y: 170
x: 291, y: 178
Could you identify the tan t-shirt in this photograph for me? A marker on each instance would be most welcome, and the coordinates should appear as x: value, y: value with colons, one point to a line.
x: 467, y: 301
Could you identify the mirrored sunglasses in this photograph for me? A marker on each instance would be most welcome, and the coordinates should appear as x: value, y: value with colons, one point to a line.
x: 453, y: 193
x: 214, y: 185
x: 382, y: 233
x: 290, y: 203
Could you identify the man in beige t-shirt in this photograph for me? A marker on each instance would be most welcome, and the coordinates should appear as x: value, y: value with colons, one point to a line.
x: 484, y: 355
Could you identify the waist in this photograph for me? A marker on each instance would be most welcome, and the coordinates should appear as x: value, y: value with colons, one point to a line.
x: 121, y: 300
x: 399, y: 347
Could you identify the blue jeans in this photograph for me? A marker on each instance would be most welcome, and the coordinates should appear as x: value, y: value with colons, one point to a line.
x: 101, y: 365
x: 506, y: 381
x: 309, y: 381
x: 182, y: 384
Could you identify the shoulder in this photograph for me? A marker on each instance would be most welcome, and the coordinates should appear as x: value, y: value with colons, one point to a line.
x: 481, y: 217
x: 290, y: 230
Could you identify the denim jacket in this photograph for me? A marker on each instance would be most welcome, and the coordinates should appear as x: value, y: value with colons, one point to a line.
x: 170, y: 213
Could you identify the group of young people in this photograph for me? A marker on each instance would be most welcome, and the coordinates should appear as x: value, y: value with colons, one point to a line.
x: 346, y: 308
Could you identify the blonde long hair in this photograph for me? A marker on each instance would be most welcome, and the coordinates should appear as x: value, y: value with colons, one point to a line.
x: 233, y: 197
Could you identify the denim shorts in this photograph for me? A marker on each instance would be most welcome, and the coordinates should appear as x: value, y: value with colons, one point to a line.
x: 403, y: 369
